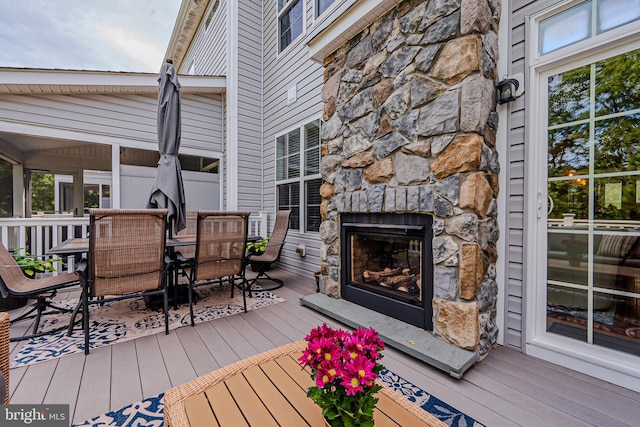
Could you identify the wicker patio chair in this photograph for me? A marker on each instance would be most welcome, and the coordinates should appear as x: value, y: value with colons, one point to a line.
x: 13, y: 282
x: 220, y: 251
x: 4, y: 357
x: 126, y: 259
x: 262, y: 263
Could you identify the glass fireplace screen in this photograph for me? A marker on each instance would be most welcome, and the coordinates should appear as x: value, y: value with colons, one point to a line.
x: 387, y: 264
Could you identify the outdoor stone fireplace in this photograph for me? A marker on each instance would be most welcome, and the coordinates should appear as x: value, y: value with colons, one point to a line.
x: 410, y: 128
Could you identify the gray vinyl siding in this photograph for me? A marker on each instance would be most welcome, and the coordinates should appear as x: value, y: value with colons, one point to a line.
x: 130, y: 117
x: 249, y: 105
x: 202, y: 122
x: 209, y: 45
x: 281, y: 72
x: 515, y: 167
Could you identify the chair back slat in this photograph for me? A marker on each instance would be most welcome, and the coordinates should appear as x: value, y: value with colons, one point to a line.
x: 276, y: 240
x: 221, y: 244
x: 127, y: 250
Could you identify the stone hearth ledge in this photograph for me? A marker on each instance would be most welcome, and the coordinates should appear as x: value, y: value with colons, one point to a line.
x: 402, y: 336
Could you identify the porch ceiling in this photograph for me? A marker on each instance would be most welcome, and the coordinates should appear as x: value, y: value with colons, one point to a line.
x: 27, y: 143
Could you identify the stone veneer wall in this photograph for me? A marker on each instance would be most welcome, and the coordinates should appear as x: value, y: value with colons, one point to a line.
x: 410, y: 126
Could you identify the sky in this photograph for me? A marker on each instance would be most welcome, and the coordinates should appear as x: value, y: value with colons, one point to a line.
x: 98, y: 35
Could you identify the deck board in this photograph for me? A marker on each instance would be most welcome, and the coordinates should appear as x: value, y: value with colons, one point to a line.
x: 65, y: 382
x: 507, y: 388
x: 175, y: 359
x: 222, y: 353
x: 95, y: 386
x: 125, y: 377
x: 201, y: 359
x: 241, y: 345
x: 153, y: 370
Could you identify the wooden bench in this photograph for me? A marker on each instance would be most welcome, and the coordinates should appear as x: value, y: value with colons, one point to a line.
x: 269, y: 389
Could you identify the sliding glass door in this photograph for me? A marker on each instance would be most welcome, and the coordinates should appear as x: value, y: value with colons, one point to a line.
x: 593, y: 189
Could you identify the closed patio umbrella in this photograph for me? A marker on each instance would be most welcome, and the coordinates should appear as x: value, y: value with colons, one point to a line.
x: 168, y: 190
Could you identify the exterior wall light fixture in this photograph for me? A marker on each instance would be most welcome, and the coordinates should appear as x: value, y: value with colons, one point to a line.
x: 506, y: 90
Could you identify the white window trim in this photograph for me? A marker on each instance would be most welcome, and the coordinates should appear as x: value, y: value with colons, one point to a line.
x: 594, y: 44
x: 302, y: 179
x: 600, y: 362
x: 327, y: 12
x: 298, y: 39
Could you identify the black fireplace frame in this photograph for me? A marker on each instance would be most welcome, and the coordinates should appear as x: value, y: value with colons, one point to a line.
x: 405, y: 224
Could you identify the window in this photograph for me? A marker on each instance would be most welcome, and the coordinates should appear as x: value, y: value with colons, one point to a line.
x: 298, y: 175
x: 583, y: 21
x: 290, y: 22
x: 322, y: 5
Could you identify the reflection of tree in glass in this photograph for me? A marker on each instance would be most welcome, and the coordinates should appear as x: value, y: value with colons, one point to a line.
x: 617, y: 81
x: 626, y: 186
x: 570, y: 196
x: 616, y: 137
x: 568, y: 151
x: 616, y: 144
x: 569, y: 96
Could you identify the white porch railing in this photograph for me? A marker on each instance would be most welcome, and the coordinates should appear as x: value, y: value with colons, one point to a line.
x: 38, y: 235
x: 598, y: 224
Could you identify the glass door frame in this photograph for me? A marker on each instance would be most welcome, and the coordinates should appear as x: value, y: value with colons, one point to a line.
x: 591, y: 359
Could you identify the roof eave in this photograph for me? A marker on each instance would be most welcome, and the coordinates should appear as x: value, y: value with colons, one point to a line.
x: 187, y: 23
x: 353, y: 18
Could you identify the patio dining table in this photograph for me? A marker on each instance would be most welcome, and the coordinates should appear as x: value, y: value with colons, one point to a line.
x: 78, y: 246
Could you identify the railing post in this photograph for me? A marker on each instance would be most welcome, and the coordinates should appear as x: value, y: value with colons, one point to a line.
x: 264, y: 224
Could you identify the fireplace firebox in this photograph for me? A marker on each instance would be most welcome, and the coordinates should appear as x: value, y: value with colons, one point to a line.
x: 387, y: 265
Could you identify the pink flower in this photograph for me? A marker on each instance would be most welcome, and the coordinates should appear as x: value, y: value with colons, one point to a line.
x: 327, y: 373
x: 357, y: 374
x: 344, y: 368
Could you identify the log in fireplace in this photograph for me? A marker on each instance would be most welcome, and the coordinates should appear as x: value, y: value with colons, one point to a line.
x: 387, y: 264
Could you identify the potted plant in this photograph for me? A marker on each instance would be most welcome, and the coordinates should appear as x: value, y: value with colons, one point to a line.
x: 32, y: 265
x: 258, y: 247
x: 344, y: 367
x: 576, y: 249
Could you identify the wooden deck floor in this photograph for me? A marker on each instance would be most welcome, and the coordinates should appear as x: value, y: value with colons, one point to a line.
x: 507, y: 388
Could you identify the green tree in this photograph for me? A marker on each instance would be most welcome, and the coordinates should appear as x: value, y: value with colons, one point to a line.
x: 6, y: 183
x: 42, y: 194
x: 594, y: 120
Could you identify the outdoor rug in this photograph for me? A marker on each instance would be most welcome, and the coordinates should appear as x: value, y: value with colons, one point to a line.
x: 149, y: 412
x: 128, y: 319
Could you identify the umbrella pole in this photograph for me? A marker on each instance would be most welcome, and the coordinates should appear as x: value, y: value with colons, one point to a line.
x: 173, y: 275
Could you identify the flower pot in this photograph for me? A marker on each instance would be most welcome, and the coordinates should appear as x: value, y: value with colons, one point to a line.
x: 568, y: 219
